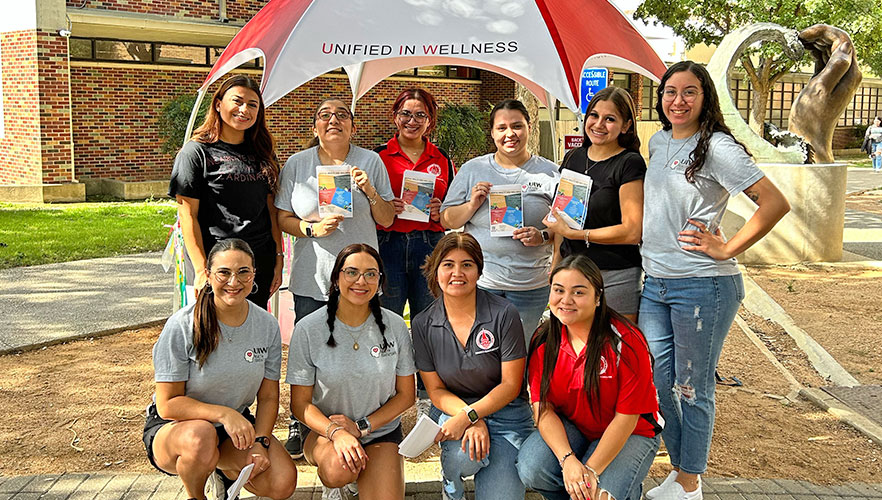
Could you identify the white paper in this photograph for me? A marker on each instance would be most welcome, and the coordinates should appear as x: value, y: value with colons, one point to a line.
x: 420, y: 438
x: 571, y: 198
x: 416, y: 190
x: 235, y: 488
x: 335, y: 187
x: 506, y: 209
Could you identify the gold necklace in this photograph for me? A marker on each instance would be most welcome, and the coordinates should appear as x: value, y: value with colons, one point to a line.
x: 668, y: 156
x: 354, y: 339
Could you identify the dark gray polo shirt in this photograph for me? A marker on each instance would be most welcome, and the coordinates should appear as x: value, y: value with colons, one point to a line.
x: 473, y: 371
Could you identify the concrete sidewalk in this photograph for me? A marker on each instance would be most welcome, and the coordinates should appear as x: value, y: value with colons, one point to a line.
x: 107, y: 486
x: 52, y: 303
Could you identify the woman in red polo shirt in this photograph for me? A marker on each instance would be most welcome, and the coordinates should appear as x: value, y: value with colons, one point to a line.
x: 405, y: 244
x: 590, y: 375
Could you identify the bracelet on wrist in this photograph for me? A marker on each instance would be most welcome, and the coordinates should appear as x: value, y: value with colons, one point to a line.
x: 587, y: 236
x: 593, y: 473
x: 334, y: 431
x: 564, y: 458
x: 328, y: 428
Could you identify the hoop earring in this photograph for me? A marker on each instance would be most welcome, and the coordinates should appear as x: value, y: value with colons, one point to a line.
x: 253, y: 289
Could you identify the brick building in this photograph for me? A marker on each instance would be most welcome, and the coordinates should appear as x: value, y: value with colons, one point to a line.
x: 83, y: 83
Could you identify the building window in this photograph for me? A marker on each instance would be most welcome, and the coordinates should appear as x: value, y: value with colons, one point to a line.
x: 647, y: 111
x: 621, y: 80
x: 117, y: 50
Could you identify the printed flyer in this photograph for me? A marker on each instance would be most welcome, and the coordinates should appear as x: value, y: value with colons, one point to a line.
x: 335, y: 186
x: 506, y: 209
x: 571, y: 199
x: 416, y: 191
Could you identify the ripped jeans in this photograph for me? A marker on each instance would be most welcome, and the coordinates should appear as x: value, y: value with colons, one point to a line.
x: 685, y: 321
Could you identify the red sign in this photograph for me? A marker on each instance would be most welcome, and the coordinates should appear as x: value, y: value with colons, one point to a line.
x: 573, y: 141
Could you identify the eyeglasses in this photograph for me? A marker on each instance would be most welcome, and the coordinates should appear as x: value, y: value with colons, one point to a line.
x: 352, y: 274
x: 688, y: 95
x: 341, y: 115
x: 226, y: 275
x: 406, y: 115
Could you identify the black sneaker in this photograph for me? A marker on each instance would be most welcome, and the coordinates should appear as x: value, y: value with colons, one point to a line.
x: 294, y: 444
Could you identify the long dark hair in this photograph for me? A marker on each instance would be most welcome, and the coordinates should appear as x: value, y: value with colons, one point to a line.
x: 258, y: 136
x: 621, y: 99
x: 710, y: 119
x: 510, y: 104
x: 334, y: 295
x: 601, y: 336
x: 424, y: 97
x: 315, y: 140
x: 206, y: 329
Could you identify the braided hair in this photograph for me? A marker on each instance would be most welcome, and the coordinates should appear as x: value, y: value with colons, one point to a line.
x: 334, y: 295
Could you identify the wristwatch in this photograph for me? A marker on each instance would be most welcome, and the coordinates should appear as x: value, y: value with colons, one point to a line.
x: 308, y: 231
x: 263, y: 440
x: 471, y: 413
x: 364, y: 426
x: 545, y: 236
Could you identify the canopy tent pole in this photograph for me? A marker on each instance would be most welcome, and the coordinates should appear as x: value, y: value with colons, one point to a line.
x: 192, y: 121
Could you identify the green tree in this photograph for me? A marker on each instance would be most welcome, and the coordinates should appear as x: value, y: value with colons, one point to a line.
x: 461, y: 131
x: 173, y: 121
x: 708, y: 21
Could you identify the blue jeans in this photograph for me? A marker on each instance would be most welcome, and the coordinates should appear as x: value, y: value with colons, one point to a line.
x: 530, y: 304
x: 495, y: 476
x: 623, y: 477
x: 686, y: 321
x: 403, y: 254
x: 876, y: 147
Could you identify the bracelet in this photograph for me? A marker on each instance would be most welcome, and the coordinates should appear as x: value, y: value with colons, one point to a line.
x: 593, y: 472
x: 280, y: 254
x: 331, y: 435
x: 587, y: 233
x: 372, y: 200
x: 564, y: 458
x: 328, y: 428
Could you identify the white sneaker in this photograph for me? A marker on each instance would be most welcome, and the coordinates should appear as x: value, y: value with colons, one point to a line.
x: 214, y: 487
x: 676, y: 492
x: 331, y: 493
x: 653, y: 493
x: 423, y: 406
x: 352, y: 488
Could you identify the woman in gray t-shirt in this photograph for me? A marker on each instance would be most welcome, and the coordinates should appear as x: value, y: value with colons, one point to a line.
x: 517, y: 265
x: 351, y: 372
x: 212, y: 359
x: 693, y: 287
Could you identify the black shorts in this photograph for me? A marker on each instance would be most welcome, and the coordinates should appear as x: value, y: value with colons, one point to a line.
x: 394, y: 436
x: 154, y: 422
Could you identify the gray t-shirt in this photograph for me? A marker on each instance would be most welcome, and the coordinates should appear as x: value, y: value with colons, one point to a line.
x: 232, y: 374
x: 669, y: 199
x: 298, y: 193
x: 472, y: 371
x: 346, y: 381
x: 508, y: 264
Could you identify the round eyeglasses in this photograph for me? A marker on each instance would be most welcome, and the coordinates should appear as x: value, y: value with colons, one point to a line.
x: 688, y: 95
x: 226, y: 275
x: 351, y: 275
x: 406, y: 115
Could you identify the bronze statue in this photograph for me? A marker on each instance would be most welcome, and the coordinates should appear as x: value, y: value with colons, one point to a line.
x: 817, y: 109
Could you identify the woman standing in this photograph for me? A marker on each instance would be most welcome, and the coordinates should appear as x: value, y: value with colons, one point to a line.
x: 873, y: 143
x: 405, y: 244
x: 591, y: 385
x: 224, y: 181
x: 320, y: 239
x: 469, y: 348
x: 351, y: 373
x: 212, y: 359
x: 610, y: 155
x: 517, y: 267
x: 693, y: 287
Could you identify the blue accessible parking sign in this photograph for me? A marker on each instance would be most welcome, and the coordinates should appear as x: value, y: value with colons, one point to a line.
x: 593, y: 80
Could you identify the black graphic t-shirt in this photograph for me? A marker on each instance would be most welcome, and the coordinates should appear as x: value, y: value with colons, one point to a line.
x: 231, y: 190
x: 604, y: 208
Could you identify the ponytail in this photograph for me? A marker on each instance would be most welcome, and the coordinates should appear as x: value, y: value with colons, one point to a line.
x: 206, y: 329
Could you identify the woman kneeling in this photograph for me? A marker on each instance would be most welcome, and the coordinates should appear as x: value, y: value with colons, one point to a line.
x: 352, y: 375
x: 590, y: 376
x: 211, y: 360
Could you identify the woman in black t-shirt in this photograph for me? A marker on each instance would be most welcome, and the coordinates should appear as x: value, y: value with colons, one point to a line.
x: 610, y: 155
x: 225, y: 179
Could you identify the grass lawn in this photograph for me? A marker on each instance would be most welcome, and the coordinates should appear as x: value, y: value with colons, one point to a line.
x: 32, y: 234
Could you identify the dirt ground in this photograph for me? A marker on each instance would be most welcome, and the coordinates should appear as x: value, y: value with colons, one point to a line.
x: 79, y: 407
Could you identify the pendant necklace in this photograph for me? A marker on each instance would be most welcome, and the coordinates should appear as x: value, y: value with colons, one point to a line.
x: 355, y: 345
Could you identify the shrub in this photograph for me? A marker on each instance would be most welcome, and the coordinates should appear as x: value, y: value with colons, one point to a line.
x: 173, y: 121
x: 461, y: 131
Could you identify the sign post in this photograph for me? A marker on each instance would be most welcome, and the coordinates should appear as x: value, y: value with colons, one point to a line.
x: 593, y: 80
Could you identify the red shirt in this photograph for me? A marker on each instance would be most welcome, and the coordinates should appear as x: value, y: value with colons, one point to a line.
x: 625, y: 384
x: 433, y: 161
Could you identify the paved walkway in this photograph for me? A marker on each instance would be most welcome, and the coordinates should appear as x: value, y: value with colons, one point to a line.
x: 159, y: 487
x: 55, y: 302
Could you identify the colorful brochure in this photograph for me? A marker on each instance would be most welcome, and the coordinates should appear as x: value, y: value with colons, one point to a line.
x: 571, y: 199
x: 417, y: 189
x: 506, y: 209
x: 420, y: 438
x: 335, y: 186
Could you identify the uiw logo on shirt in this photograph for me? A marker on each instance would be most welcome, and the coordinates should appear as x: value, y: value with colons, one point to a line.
x: 255, y: 354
